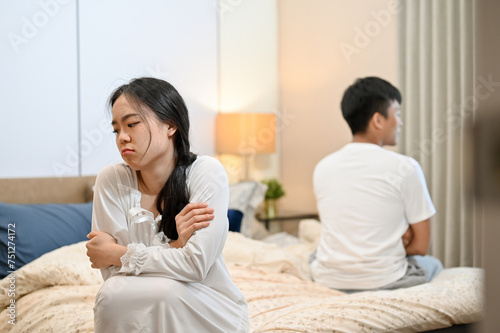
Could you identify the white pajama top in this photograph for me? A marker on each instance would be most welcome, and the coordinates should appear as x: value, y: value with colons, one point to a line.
x: 190, y: 289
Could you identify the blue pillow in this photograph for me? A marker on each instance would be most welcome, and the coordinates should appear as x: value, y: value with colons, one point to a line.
x: 234, y: 217
x: 28, y: 231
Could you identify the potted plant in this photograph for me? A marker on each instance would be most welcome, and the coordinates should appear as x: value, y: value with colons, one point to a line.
x: 273, y: 193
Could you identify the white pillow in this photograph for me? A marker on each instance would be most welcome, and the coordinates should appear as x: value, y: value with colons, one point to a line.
x: 258, y: 230
x: 246, y: 197
x: 310, y: 231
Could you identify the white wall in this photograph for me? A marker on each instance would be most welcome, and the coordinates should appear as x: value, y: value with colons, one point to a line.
x: 38, y: 94
x: 248, y: 65
x: 55, y: 95
x: 324, y: 46
x: 175, y: 41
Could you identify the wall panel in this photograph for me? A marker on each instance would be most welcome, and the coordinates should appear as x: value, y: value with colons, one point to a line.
x: 324, y: 46
x: 38, y: 89
x: 172, y: 40
x: 59, y: 61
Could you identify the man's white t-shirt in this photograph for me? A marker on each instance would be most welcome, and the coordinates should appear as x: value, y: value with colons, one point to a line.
x: 366, y: 196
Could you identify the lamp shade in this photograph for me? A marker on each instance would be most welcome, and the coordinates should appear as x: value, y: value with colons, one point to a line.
x: 245, y: 133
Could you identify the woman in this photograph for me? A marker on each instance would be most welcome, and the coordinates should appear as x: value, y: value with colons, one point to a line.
x: 160, y: 275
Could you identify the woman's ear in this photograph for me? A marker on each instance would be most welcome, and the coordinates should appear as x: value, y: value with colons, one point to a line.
x: 171, y: 130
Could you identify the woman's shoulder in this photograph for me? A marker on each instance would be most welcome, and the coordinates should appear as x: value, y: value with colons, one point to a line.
x: 208, y: 163
x: 206, y: 168
x: 206, y: 177
x: 115, y: 173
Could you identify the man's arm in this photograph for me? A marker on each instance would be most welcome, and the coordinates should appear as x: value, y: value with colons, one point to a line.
x: 419, y: 245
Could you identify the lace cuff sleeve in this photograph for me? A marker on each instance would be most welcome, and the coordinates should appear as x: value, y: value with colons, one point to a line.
x: 133, y: 259
x: 137, y: 254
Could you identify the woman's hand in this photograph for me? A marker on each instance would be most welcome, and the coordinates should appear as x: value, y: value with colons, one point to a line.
x: 193, y: 217
x: 103, y: 250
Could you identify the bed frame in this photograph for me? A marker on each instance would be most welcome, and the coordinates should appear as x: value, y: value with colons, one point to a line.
x: 47, y: 190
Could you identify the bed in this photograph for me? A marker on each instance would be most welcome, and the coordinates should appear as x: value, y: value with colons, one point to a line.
x: 54, y: 289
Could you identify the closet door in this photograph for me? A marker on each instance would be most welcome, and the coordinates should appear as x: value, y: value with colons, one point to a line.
x: 171, y: 40
x: 38, y: 89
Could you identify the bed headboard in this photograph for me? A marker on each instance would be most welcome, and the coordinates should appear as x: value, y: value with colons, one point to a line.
x: 47, y: 190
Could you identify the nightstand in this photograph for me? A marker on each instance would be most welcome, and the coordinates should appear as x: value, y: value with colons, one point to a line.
x: 285, y: 216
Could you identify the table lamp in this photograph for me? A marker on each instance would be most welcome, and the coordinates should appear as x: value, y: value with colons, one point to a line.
x: 245, y: 134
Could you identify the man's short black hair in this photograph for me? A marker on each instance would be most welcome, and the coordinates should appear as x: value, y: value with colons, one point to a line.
x: 365, y: 97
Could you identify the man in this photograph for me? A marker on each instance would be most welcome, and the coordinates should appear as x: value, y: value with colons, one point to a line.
x: 373, y: 203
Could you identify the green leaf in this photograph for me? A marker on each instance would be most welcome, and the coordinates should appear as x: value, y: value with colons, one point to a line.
x: 274, y: 189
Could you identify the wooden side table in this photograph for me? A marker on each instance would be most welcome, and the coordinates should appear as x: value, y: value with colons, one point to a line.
x: 285, y: 216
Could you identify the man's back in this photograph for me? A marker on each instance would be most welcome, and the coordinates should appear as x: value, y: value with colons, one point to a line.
x: 366, y: 198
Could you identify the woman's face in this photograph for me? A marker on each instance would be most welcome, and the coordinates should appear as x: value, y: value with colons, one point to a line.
x: 142, y: 140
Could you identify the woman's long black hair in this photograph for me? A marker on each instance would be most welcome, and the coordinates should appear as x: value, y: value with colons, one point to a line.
x: 168, y: 106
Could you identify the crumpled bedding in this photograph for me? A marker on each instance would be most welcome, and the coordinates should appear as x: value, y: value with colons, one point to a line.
x: 55, y: 293
x: 282, y: 298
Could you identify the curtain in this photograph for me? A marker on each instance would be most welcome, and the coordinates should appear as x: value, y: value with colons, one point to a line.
x: 437, y: 82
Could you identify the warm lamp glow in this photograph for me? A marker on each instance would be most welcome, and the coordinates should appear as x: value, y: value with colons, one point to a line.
x: 245, y: 133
